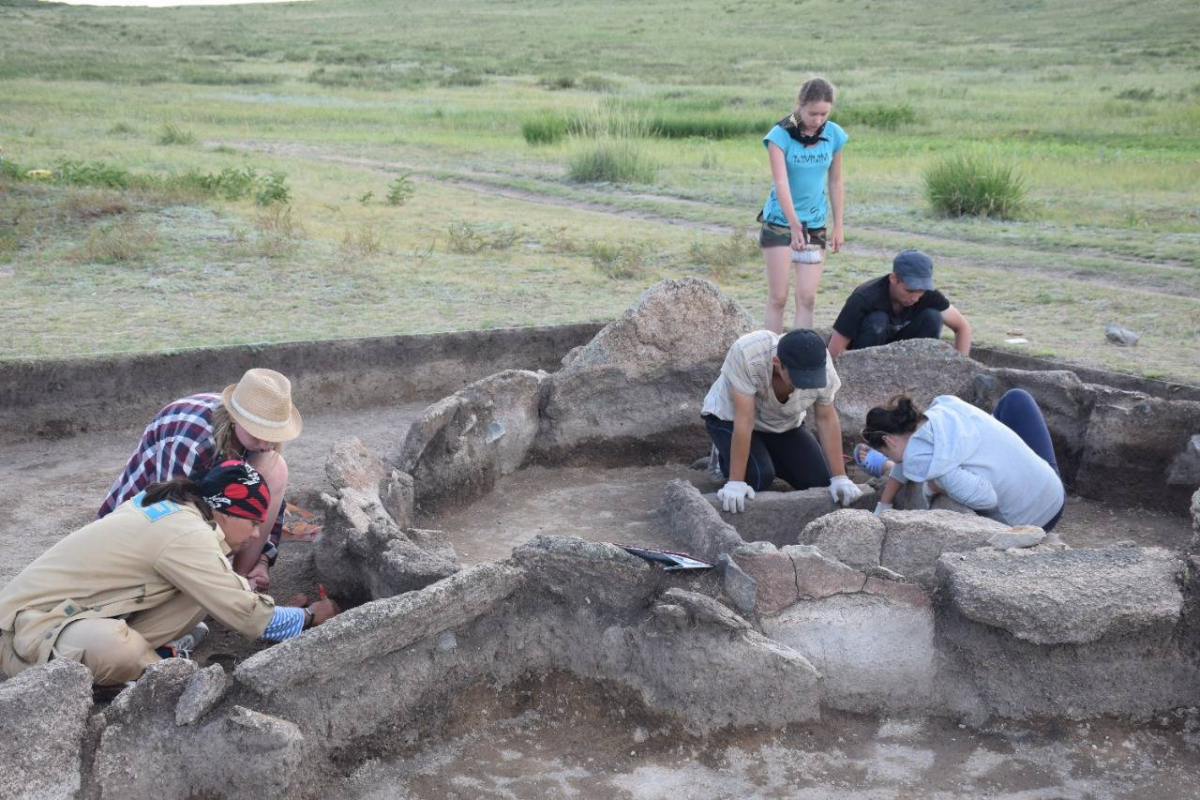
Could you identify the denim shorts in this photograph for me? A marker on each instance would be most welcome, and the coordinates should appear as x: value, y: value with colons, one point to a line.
x: 773, y: 235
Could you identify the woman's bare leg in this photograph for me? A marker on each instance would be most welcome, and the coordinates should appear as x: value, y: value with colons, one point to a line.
x: 779, y: 274
x: 808, y: 279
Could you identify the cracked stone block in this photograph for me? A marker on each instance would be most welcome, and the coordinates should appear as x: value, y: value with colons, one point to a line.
x: 203, y: 691
x: 818, y: 576
x: 780, y: 517
x: 851, y: 536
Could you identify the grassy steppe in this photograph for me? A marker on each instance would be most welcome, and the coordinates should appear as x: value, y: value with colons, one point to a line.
x: 1097, y: 104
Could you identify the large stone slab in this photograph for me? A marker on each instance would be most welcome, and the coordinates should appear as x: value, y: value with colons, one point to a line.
x: 44, y: 714
x: 640, y: 382
x: 915, y: 540
x: 925, y: 368
x: 1131, y: 443
x: 1067, y: 597
x: 779, y: 517
x: 459, y: 445
x: 851, y: 536
x: 375, y: 629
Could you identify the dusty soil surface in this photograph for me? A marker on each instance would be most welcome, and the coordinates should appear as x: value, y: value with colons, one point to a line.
x: 601, y: 505
x: 569, y: 743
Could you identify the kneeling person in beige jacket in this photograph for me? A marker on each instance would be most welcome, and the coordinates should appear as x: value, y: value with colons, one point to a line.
x: 113, y: 591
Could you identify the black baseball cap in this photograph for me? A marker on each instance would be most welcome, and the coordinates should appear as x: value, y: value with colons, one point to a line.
x: 915, y: 269
x: 802, y: 352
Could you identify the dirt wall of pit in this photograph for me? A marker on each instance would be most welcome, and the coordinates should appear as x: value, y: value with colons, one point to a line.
x: 57, y: 398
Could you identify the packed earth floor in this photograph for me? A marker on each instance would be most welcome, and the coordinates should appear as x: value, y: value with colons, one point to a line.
x: 560, y: 739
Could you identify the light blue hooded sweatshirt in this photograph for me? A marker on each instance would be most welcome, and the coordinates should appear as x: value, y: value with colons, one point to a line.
x: 981, y: 463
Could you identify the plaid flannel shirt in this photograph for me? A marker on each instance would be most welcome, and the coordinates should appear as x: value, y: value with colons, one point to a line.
x: 178, y: 442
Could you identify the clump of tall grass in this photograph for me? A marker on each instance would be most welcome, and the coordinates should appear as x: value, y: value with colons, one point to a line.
x: 544, y: 128
x: 123, y: 240
x: 173, y: 134
x: 884, y: 117
x: 557, y: 82
x: 121, y: 129
x: 619, y: 260
x: 611, y: 160
x: 975, y: 186
x: 218, y: 77
x: 720, y: 258
x: 380, y: 77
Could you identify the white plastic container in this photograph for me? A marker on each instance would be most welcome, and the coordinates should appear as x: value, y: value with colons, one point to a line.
x: 811, y: 254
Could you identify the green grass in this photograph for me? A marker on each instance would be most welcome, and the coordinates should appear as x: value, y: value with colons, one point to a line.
x: 971, y: 186
x: 494, y: 108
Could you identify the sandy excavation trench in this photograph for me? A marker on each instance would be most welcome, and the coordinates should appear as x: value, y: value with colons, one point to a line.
x: 489, y: 610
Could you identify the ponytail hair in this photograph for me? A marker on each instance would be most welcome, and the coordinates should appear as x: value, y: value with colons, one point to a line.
x: 180, y: 490
x: 900, y: 415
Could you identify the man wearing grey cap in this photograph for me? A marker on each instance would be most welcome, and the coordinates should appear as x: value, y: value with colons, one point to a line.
x: 754, y: 411
x: 902, y: 305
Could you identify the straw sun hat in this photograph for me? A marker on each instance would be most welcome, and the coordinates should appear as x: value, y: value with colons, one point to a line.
x: 262, y: 403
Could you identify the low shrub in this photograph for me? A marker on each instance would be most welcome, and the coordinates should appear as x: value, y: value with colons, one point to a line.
x: 172, y: 134
x: 619, y: 260
x: 544, y: 129
x: 400, y: 190
x: 364, y: 242
x: 468, y: 239
x: 597, y: 83
x: 273, y: 190
x: 121, y: 129
x: 612, y: 161
x: 1138, y: 94
x: 385, y: 78
x: 721, y: 257
x: 707, y: 125
x: 975, y: 186
x: 95, y: 173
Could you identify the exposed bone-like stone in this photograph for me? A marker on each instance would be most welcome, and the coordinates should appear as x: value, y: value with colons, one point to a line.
x: 779, y: 517
x: 1022, y: 536
x: 203, y: 691
x: 915, y: 539
x: 853, y: 537
x: 44, y: 712
x: 362, y: 552
x: 640, y: 382
x: 1067, y: 597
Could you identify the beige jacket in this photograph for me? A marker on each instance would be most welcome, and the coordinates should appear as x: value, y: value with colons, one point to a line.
x: 132, y: 560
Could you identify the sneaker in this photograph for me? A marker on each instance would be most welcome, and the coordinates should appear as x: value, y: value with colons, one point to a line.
x: 714, y: 466
x: 185, y: 645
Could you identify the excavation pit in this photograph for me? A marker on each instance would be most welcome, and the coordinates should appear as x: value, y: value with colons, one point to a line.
x: 497, y: 643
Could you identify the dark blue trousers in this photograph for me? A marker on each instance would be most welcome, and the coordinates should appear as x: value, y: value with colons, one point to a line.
x: 795, y: 456
x: 1020, y: 413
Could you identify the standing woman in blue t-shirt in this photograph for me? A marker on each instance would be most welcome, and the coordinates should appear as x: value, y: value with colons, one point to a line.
x: 805, y: 150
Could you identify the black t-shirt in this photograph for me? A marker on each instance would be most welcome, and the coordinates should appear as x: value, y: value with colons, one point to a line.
x: 873, y: 296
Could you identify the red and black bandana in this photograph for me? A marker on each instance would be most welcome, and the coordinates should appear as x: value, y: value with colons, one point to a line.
x: 236, y: 489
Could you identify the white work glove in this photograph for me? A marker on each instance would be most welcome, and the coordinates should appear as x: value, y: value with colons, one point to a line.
x: 843, y: 490
x: 733, y: 496
x: 881, y: 507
